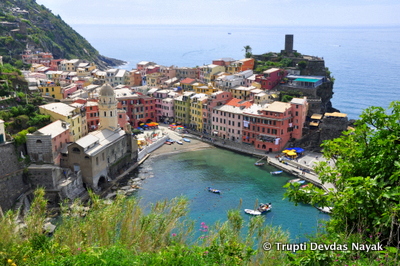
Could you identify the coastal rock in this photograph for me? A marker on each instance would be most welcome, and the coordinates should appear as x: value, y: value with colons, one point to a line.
x: 49, y: 228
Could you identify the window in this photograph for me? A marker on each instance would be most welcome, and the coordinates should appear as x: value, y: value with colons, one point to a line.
x: 38, y: 141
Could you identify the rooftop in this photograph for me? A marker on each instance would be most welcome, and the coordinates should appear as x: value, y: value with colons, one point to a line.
x: 54, y: 129
x: 279, y: 107
x: 98, y: 140
x: 59, y: 108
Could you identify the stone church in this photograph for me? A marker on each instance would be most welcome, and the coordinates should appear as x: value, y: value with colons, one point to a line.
x: 99, y: 156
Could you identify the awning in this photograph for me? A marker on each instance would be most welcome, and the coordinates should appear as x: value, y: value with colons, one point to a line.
x: 216, y: 132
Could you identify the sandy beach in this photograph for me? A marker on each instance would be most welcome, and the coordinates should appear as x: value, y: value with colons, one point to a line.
x: 194, y: 144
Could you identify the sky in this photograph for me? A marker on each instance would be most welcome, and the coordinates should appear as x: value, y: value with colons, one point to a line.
x: 228, y: 12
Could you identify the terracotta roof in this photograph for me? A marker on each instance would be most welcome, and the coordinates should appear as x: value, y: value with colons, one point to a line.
x: 238, y: 103
x: 187, y: 80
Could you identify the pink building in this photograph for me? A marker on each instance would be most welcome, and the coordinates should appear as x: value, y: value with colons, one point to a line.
x: 68, y: 90
x: 227, y: 119
x: 270, y: 78
x: 215, y: 99
x: 164, y: 105
x: 123, y: 119
x: 272, y: 126
x: 54, y: 64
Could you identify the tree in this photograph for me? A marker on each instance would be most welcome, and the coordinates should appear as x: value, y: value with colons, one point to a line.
x: 366, y: 174
x: 247, y: 52
x: 302, y: 65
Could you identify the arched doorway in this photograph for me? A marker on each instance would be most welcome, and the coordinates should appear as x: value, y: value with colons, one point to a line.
x: 102, y: 182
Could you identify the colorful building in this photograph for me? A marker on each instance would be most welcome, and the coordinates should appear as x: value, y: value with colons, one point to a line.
x: 207, y: 73
x: 182, y: 108
x: 215, y: 99
x: 196, y: 111
x: 227, y: 119
x: 140, y: 108
x: 271, y: 126
x: 270, y: 78
x: 74, y: 116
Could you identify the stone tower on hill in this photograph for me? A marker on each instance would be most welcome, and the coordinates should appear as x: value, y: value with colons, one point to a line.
x: 108, y: 108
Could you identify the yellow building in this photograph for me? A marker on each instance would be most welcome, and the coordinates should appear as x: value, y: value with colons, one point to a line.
x: 241, y: 92
x: 208, y: 72
x: 182, y: 108
x: 74, y: 116
x: 196, y: 111
x: 51, y: 90
x: 153, y: 79
x: 201, y: 88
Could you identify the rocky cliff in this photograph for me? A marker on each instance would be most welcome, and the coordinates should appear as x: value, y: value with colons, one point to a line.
x: 26, y: 24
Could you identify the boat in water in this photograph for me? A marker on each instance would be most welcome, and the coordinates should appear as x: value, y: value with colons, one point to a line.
x: 186, y: 139
x: 297, y: 180
x: 276, y: 172
x: 258, y: 164
x: 252, y: 212
x: 263, y: 208
x: 213, y: 190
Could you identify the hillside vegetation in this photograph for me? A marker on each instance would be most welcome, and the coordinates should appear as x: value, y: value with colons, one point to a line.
x: 26, y: 24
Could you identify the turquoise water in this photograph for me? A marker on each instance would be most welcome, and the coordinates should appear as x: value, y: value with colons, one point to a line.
x: 189, y: 174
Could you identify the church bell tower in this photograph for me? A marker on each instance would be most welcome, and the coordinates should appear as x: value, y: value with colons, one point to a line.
x: 108, y: 108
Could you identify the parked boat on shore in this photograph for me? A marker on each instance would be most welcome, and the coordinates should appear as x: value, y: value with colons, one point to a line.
x: 179, y: 142
x: 186, y: 139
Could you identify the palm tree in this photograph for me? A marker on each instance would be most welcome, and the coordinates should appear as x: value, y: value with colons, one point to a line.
x: 247, y: 53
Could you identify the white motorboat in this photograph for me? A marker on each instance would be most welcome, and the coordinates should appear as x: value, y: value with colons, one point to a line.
x: 252, y: 212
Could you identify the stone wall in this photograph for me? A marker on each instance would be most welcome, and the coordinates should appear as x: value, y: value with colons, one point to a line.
x: 39, y: 148
x: 12, y: 179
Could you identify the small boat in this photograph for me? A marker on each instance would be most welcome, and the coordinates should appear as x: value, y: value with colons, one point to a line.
x: 263, y: 208
x: 325, y: 209
x: 213, y: 190
x: 252, y: 212
x: 276, y: 172
x: 171, y: 140
x: 186, y: 139
x: 297, y: 180
x: 306, y: 186
x: 258, y: 164
x: 179, y: 142
x: 168, y: 143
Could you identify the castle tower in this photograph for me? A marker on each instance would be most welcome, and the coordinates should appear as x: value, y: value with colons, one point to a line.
x: 289, y: 43
x: 108, y: 108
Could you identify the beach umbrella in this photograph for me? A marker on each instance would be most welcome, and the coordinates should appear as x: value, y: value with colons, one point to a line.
x: 291, y: 153
x: 298, y: 150
x: 285, y: 151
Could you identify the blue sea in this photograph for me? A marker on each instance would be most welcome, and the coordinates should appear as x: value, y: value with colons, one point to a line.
x: 365, y: 61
